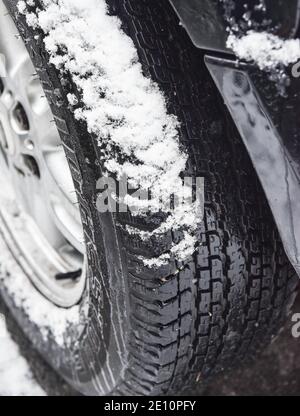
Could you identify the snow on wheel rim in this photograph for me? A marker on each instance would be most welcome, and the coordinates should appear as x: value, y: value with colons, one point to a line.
x: 39, y: 207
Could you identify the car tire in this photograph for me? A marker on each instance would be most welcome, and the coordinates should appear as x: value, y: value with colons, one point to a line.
x: 144, y: 331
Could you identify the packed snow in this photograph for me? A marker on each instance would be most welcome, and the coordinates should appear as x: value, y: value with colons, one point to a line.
x: 16, y: 378
x: 124, y: 109
x: 265, y: 49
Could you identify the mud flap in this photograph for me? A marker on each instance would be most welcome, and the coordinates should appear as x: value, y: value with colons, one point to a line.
x: 269, y: 155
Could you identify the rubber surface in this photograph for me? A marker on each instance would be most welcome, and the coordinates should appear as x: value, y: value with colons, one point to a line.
x: 149, y: 331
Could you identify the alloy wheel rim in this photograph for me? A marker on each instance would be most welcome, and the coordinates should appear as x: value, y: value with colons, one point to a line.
x: 34, y: 165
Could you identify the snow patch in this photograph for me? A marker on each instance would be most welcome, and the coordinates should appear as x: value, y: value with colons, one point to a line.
x: 265, y: 49
x: 16, y: 378
x: 124, y: 109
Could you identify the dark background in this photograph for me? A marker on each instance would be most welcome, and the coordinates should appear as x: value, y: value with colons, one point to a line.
x: 276, y: 372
